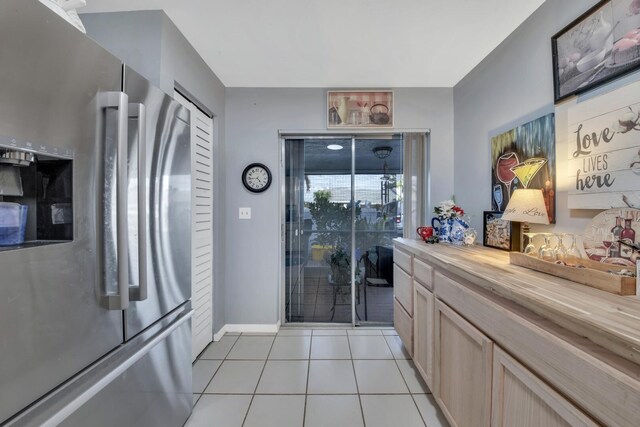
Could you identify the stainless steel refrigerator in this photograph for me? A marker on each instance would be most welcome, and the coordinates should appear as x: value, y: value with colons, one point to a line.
x: 95, y: 317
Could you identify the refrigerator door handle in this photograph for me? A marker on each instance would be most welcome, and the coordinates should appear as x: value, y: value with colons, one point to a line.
x: 139, y: 293
x: 119, y: 300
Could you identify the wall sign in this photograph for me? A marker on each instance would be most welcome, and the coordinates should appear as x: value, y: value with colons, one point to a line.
x: 604, y: 150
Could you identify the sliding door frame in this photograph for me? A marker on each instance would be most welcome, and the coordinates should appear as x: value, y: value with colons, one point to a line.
x: 303, y: 135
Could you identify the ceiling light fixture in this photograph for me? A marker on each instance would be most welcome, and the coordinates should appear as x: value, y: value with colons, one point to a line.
x: 335, y: 147
x: 382, y: 152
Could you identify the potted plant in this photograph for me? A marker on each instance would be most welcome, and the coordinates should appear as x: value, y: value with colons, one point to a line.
x: 333, y: 230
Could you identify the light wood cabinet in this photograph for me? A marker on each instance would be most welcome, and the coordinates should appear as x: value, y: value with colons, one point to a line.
x: 521, y: 398
x: 423, y: 328
x: 561, y: 358
x: 463, y: 369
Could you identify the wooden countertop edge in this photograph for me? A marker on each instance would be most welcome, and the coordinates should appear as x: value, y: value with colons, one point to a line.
x: 570, y: 318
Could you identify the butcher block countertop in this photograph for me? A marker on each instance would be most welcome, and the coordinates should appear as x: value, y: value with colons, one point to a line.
x: 609, y: 320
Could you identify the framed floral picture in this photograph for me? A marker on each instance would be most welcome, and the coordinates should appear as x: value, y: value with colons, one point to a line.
x: 499, y: 233
x: 360, y: 109
x: 599, y: 46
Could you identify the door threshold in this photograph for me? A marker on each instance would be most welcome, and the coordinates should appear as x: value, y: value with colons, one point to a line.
x: 370, y: 325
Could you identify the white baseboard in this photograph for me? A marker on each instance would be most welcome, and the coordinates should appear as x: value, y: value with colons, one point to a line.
x: 247, y: 329
x: 218, y: 335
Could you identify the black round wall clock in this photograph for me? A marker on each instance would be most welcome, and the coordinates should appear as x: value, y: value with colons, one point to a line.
x: 256, y: 177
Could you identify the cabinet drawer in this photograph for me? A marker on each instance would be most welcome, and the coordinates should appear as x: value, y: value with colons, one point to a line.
x: 520, y: 398
x: 423, y: 273
x: 403, y: 259
x: 403, y: 289
x: 403, y: 323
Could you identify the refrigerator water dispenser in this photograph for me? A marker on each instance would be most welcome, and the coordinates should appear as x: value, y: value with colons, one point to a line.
x: 36, y: 203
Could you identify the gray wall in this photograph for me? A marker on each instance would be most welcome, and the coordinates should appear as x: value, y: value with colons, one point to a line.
x: 152, y: 45
x: 514, y: 85
x: 253, y: 118
x: 134, y: 37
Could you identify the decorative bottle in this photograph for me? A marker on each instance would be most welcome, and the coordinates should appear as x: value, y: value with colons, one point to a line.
x: 627, y: 235
x: 615, y: 246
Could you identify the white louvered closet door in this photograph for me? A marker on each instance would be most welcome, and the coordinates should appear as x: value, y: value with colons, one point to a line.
x: 201, y: 226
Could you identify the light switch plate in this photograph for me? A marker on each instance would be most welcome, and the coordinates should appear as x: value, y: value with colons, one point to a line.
x: 244, y: 213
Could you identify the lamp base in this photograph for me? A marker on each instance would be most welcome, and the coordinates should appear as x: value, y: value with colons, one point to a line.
x: 524, y: 239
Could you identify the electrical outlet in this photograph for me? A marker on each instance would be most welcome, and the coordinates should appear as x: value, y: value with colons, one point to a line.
x: 244, y: 213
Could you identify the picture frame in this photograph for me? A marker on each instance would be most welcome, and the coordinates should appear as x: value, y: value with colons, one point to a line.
x: 359, y: 109
x: 525, y: 157
x: 498, y: 233
x: 599, y: 46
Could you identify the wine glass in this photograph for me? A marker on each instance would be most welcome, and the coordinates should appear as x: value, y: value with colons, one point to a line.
x: 497, y: 196
x: 573, y: 253
x: 546, y: 251
x: 560, y: 251
x: 503, y: 169
x: 530, y: 249
x: 607, y: 241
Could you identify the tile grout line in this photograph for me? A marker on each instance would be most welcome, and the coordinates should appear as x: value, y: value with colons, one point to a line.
x: 253, y: 396
x: 406, y: 383
x: 215, y: 372
x: 355, y: 377
x: 306, y: 388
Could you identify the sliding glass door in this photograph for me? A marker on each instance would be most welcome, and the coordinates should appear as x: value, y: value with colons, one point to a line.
x: 378, y: 192
x: 343, y: 207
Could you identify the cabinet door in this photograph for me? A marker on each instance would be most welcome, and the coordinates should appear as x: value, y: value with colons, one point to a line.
x: 520, y: 398
x: 423, y: 342
x: 462, y: 369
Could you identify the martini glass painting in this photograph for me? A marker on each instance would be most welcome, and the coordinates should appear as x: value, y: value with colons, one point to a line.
x: 526, y: 170
x: 503, y: 170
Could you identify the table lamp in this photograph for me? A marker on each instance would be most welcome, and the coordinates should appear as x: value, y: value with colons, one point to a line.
x: 526, y: 206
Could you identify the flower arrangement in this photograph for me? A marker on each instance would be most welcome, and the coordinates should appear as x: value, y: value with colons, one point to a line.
x: 447, y: 209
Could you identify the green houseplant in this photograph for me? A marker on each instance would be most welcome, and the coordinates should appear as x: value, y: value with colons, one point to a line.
x: 333, y: 229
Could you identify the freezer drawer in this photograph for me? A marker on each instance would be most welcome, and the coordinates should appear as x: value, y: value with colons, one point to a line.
x: 154, y: 391
x: 146, y: 382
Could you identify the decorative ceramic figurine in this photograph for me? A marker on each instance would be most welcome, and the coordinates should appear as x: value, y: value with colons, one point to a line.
x: 470, y: 236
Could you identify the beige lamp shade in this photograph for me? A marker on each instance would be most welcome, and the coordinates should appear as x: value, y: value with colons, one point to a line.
x: 526, y: 205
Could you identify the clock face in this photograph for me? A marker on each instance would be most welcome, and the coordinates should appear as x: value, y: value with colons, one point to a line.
x: 256, y: 177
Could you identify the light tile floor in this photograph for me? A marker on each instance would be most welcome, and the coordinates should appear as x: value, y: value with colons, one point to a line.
x: 314, y: 304
x: 311, y: 378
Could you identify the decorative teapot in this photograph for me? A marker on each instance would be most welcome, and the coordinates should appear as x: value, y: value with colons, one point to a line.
x: 443, y: 231
x: 379, y: 114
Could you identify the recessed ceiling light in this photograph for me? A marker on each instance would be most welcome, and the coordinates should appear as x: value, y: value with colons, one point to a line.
x: 335, y: 147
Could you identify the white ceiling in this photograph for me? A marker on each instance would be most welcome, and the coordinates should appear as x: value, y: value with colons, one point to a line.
x: 339, y: 43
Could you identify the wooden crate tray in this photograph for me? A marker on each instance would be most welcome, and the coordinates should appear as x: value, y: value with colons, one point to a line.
x: 595, y: 274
